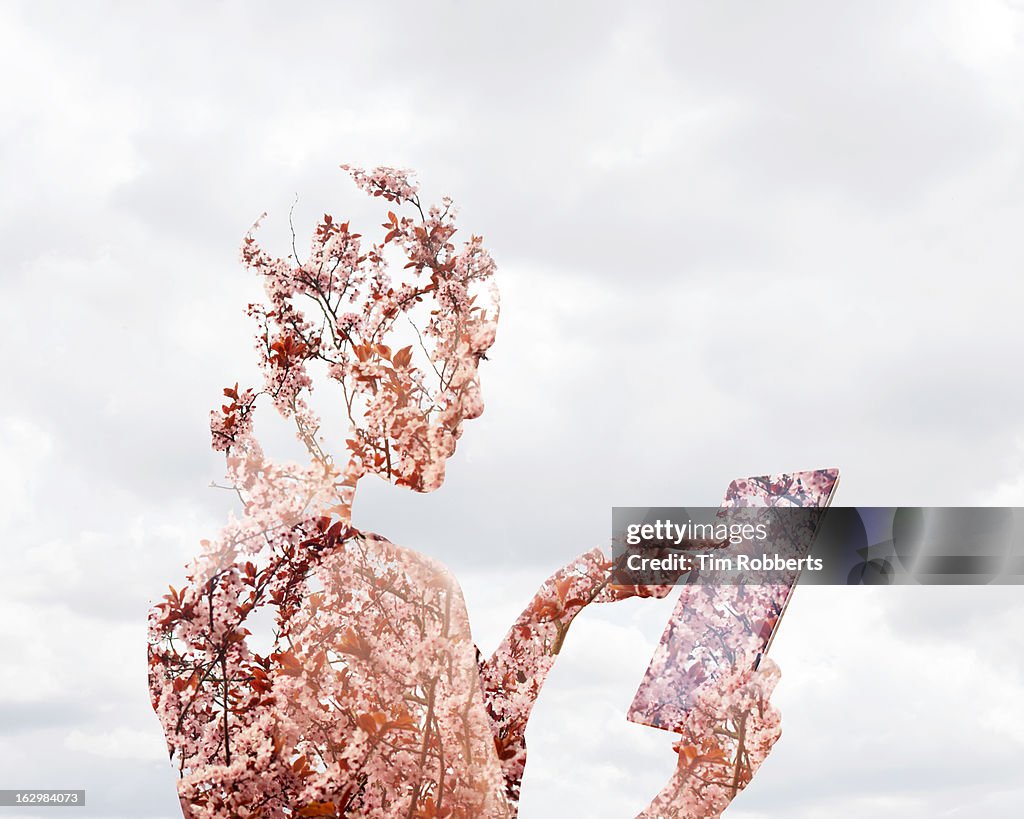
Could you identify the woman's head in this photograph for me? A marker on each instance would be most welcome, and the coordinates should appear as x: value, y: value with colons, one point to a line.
x: 401, y: 325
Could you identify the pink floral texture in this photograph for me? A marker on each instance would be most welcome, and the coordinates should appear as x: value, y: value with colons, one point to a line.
x: 715, y: 628
x: 373, y: 700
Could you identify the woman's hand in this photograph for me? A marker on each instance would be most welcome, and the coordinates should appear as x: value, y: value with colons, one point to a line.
x: 617, y: 570
x: 727, y: 734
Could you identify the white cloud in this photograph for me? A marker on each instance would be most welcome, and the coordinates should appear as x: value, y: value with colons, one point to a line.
x: 118, y: 743
x: 24, y: 448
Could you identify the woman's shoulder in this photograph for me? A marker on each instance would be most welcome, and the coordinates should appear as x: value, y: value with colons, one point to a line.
x: 383, y: 558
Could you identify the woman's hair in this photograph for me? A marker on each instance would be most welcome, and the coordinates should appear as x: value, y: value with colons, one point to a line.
x: 400, y: 324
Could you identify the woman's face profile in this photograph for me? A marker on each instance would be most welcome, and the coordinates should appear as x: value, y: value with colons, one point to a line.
x: 418, y: 438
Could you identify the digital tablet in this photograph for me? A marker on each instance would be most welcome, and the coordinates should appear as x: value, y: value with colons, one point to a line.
x: 718, y: 627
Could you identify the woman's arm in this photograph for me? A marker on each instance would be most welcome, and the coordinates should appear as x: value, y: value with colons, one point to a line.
x: 513, y: 676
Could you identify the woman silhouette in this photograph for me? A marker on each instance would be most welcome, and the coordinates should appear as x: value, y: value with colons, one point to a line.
x: 374, y: 701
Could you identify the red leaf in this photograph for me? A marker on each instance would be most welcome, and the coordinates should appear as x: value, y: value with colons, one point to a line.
x: 403, y: 357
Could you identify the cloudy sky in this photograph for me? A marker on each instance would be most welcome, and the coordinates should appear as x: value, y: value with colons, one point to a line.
x: 733, y: 238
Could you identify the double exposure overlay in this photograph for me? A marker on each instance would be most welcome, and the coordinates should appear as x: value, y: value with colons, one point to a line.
x: 373, y: 700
